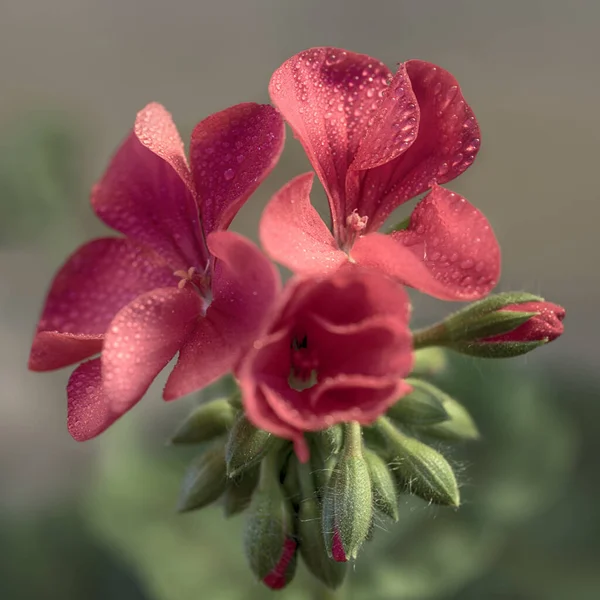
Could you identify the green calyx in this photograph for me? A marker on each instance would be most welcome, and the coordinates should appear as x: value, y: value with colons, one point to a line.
x: 205, y: 423
x: 465, y: 330
x: 204, y: 481
x: 246, y: 446
x: 418, y: 468
x: 348, y: 498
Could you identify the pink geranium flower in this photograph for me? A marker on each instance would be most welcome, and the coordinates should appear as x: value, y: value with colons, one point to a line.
x: 375, y: 141
x: 336, y: 350
x: 177, y: 282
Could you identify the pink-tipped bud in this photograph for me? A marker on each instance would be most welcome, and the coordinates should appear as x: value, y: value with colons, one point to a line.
x: 279, y: 576
x: 545, y: 326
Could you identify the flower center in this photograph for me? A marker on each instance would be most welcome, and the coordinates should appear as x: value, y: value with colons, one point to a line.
x: 198, y: 282
x: 355, y: 226
x: 304, y: 365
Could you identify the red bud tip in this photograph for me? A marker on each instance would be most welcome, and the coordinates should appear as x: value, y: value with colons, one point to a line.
x: 276, y: 579
x: 546, y: 325
x: 337, y: 548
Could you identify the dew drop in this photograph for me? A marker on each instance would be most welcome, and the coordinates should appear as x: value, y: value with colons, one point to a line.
x: 229, y: 174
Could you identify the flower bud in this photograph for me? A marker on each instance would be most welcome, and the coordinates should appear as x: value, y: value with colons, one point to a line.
x: 348, y: 499
x: 458, y: 427
x: 269, y: 541
x: 205, y: 423
x: 324, y: 451
x: 204, y: 480
x: 499, y: 326
x: 422, y: 406
x: 419, y: 469
x: 312, y: 542
x: 246, y: 446
x: 239, y: 490
x: 382, y: 484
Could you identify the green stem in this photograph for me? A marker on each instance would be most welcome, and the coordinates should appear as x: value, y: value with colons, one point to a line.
x: 352, y: 439
x: 435, y: 335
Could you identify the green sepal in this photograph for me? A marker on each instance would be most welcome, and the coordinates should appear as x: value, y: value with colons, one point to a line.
x: 460, y: 426
x: 497, y: 349
x: 419, y: 469
x: 205, y: 423
x: 422, y: 406
x: 204, y: 480
x: 246, y: 446
x: 270, y: 523
x: 238, y: 493
x: 310, y: 535
x: 385, y: 497
x: 348, y: 497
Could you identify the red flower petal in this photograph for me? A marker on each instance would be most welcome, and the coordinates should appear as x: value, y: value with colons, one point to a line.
x: 449, y: 250
x: 142, y: 339
x: 328, y: 97
x: 446, y: 145
x: 293, y: 233
x: 363, y: 348
x: 95, y: 282
x: 146, y: 192
x: 231, y: 153
x: 245, y: 285
x: 53, y: 350
x: 88, y: 409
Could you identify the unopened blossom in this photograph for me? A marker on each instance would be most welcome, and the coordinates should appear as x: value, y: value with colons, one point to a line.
x: 545, y: 326
x: 336, y: 349
x: 377, y: 140
x: 176, y: 281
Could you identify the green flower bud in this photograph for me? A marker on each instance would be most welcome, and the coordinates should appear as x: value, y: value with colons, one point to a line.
x: 385, y: 497
x: 238, y: 493
x: 423, y: 406
x: 269, y: 541
x: 312, y: 543
x: 458, y: 427
x: 480, y: 321
x: 348, y: 499
x: 418, y: 468
x: 204, y: 480
x: 205, y: 423
x: 322, y: 459
x: 291, y: 482
x: 246, y: 446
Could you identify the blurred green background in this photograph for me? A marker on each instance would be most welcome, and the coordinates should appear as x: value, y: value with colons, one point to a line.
x: 97, y: 520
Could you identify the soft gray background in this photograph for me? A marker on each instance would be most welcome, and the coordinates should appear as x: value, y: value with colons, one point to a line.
x: 528, y: 68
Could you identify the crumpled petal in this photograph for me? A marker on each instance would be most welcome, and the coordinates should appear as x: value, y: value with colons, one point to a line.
x: 446, y: 145
x: 146, y: 192
x: 365, y: 348
x: 293, y: 233
x: 329, y: 96
x: 88, y: 408
x: 245, y: 286
x: 231, y: 153
x: 95, y: 282
x: 142, y: 338
x: 449, y: 250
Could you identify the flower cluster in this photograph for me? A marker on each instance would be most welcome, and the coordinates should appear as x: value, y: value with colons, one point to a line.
x: 332, y: 411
